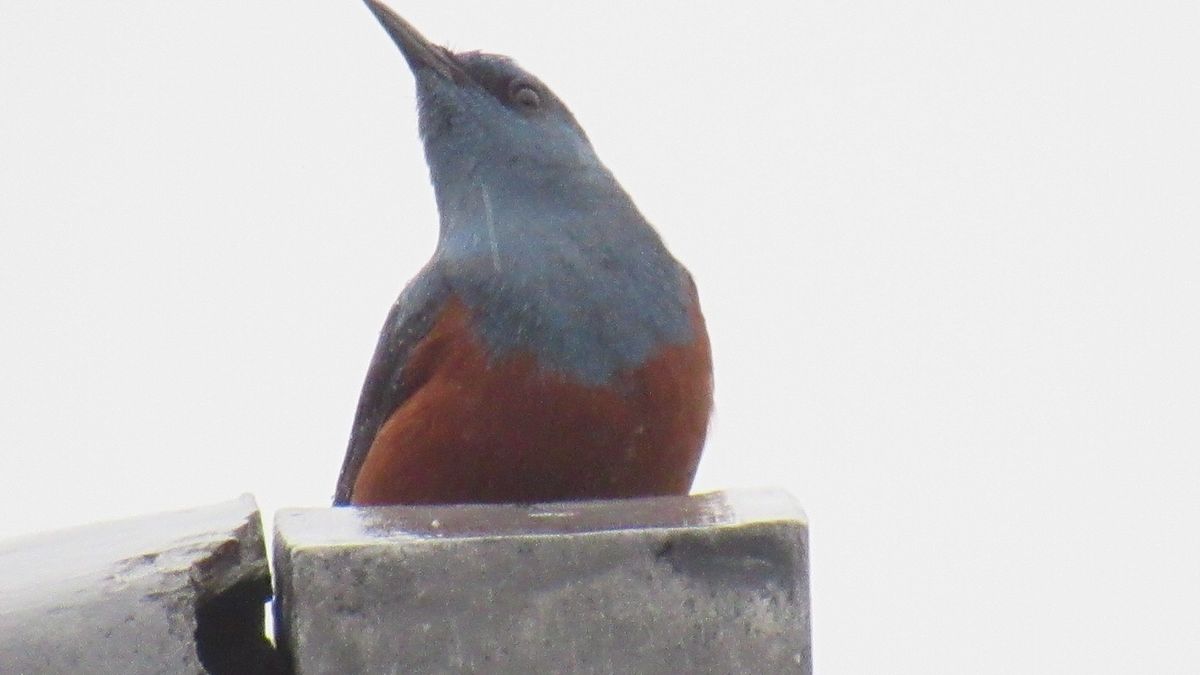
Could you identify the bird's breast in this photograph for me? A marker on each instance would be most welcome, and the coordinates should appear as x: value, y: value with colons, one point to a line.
x: 579, y: 317
x: 483, y: 427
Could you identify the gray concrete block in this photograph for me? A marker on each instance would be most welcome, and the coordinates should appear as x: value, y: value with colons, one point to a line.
x: 178, y: 592
x: 715, y: 583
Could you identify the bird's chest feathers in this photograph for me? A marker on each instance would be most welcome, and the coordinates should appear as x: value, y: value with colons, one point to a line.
x: 584, y: 313
x: 568, y: 273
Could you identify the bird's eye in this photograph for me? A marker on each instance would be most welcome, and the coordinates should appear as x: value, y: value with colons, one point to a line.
x: 524, y: 95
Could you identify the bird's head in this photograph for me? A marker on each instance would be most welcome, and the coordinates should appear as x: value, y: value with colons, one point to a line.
x: 482, y: 113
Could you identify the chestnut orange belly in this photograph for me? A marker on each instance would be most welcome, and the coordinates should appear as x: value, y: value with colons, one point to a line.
x: 477, y: 429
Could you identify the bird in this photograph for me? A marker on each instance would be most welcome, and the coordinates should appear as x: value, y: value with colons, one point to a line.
x: 552, y: 348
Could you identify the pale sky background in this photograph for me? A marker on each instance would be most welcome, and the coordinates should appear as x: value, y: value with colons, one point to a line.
x: 948, y: 253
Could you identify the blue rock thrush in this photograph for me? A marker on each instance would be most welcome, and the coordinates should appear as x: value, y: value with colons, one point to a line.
x: 552, y: 348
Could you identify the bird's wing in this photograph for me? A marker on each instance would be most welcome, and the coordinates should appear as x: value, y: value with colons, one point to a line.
x: 387, y: 385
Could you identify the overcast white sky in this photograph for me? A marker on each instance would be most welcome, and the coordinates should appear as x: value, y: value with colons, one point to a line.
x: 948, y: 253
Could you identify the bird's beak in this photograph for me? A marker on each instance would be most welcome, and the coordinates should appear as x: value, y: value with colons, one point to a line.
x: 420, y: 53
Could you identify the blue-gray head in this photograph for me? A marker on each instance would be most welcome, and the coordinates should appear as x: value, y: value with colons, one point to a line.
x: 485, y: 119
